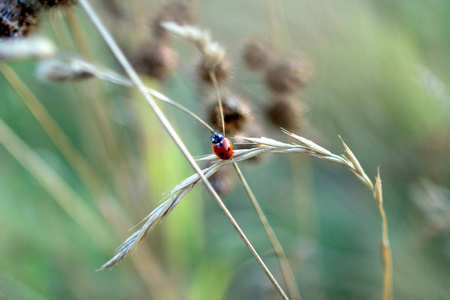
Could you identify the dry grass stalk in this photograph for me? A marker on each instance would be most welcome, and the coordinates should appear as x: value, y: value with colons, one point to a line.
x: 214, y: 67
x: 170, y: 130
x: 73, y: 66
x: 76, y: 160
x: 63, y: 194
x: 282, y: 258
x: 386, y: 254
x: 266, y: 145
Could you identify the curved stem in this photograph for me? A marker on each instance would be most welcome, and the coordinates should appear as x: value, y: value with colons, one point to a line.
x: 170, y: 130
x: 117, y: 79
x: 216, y: 87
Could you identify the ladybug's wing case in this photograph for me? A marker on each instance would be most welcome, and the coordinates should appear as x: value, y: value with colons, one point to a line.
x: 224, y: 149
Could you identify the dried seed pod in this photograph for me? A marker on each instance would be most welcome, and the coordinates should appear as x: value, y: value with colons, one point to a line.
x: 17, y: 18
x: 236, y: 111
x: 180, y: 13
x: 257, y: 54
x: 55, y: 3
x: 221, y: 71
x: 223, y: 180
x: 157, y: 59
x: 287, y: 75
x: 286, y: 112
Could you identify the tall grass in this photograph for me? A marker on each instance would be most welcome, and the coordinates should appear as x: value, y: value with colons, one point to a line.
x: 100, y: 156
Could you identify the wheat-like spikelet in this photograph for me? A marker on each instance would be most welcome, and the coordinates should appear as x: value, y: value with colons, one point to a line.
x: 211, y: 51
x: 263, y: 145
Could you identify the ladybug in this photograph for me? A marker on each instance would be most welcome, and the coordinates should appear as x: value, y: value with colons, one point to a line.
x: 222, y: 146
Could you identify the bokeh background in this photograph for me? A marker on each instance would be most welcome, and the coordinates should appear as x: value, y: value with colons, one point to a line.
x: 379, y: 81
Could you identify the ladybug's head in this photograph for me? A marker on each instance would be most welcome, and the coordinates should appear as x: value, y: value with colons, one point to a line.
x: 216, y: 138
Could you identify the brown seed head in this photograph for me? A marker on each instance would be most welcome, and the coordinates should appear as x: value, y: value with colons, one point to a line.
x: 257, y: 54
x: 222, y: 71
x: 17, y: 18
x: 180, y: 13
x: 285, y: 111
x: 287, y: 75
x: 157, y: 59
x: 237, y: 114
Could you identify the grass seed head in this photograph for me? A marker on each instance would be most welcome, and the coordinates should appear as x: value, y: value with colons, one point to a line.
x: 18, y: 18
x: 257, y: 54
x: 285, y: 111
x: 157, y: 59
x: 287, y: 75
x: 180, y: 13
x: 222, y: 71
x: 236, y: 111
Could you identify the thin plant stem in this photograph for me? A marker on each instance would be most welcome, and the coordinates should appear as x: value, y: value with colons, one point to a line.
x: 386, y: 254
x: 125, y: 82
x: 145, y: 263
x: 102, y: 129
x: 306, y: 208
x: 170, y: 130
x: 181, y: 107
x: 77, y: 35
x: 377, y: 190
x: 64, y: 195
x: 219, y: 99
x: 271, y: 22
x: 282, y: 259
x: 285, y: 26
x: 82, y: 93
x: 62, y: 37
x: 284, y: 264
x: 75, y: 159
x: 159, y: 287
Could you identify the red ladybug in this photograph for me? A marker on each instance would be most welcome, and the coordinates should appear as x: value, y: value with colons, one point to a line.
x: 222, y: 146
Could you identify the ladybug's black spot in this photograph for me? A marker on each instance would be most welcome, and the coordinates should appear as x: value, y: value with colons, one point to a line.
x: 228, y: 149
x: 221, y: 153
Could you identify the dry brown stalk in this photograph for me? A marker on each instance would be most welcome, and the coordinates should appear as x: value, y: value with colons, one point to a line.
x: 58, y: 137
x: 282, y: 258
x: 172, y: 133
x: 62, y: 193
x: 76, y: 65
x: 266, y: 145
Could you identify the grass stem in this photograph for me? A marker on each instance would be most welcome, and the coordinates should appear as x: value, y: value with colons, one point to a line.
x: 282, y: 259
x: 219, y: 99
x: 170, y: 130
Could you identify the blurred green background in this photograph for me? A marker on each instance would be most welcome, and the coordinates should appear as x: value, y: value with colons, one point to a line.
x: 379, y: 81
